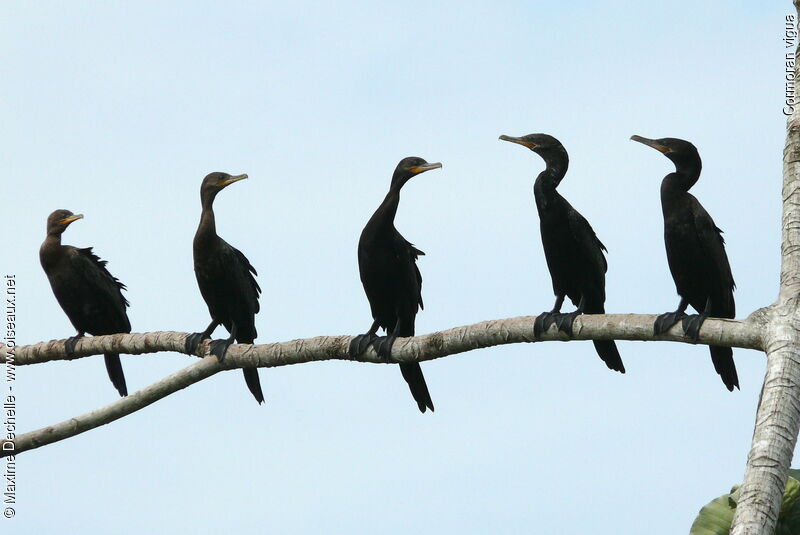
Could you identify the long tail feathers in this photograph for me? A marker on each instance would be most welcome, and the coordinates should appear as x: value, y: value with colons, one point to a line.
x: 722, y: 357
x: 253, y: 383
x: 412, y: 373
x: 607, y: 350
x: 115, y: 373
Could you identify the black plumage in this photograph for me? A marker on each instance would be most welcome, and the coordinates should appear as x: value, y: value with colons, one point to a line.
x: 695, y: 252
x: 392, y: 281
x: 227, y: 283
x: 89, y: 295
x: 573, y: 252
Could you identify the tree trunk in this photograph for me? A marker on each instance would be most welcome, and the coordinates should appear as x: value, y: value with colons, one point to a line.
x: 778, y: 415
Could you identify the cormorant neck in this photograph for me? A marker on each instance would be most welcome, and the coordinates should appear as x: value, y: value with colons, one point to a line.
x: 383, y: 218
x: 207, y: 198
x: 550, y: 178
x: 399, y: 179
x: 558, y: 167
x: 53, y: 238
x: 207, y: 226
x: 544, y: 189
x: 557, y: 162
x: 51, y: 250
x: 686, y: 174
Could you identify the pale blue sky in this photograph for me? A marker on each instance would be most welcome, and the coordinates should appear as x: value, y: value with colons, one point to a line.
x: 118, y: 111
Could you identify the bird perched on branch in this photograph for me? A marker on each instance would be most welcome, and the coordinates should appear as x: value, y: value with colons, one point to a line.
x: 392, y: 281
x: 227, y: 283
x: 573, y: 252
x: 695, y: 253
x: 89, y: 295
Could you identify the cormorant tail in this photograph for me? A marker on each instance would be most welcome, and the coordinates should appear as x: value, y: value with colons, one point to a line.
x: 253, y: 383
x: 607, y: 350
x: 115, y: 373
x: 412, y: 373
x: 722, y: 357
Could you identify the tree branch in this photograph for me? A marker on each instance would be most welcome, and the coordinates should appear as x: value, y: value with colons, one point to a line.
x: 113, y: 411
x: 635, y: 327
x: 745, y: 334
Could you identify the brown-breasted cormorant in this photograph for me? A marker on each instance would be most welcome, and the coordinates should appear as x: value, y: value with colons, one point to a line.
x: 89, y: 295
x: 227, y: 283
x: 695, y: 252
x: 392, y: 281
x: 573, y: 252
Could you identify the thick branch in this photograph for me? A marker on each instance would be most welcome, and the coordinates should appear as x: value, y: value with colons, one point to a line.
x: 745, y: 334
x: 113, y: 411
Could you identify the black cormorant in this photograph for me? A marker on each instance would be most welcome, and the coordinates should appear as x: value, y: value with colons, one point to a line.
x: 393, y: 284
x: 695, y: 252
x: 573, y: 252
x: 227, y: 283
x: 90, y: 296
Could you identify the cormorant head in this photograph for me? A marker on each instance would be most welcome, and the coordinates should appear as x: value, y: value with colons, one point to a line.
x: 549, y: 148
x: 682, y: 153
x: 408, y: 167
x: 58, y: 221
x: 215, y: 182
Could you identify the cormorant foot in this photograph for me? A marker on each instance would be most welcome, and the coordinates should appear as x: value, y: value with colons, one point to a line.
x: 220, y: 347
x: 383, y: 346
x: 664, y: 322
x: 564, y: 321
x: 691, y: 325
x: 360, y: 343
x: 543, y: 322
x: 192, y: 341
x: 69, y: 345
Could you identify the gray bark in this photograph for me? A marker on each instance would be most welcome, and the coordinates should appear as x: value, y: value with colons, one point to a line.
x: 778, y: 415
x: 744, y: 334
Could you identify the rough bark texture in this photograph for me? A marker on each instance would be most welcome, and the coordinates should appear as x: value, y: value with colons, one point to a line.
x: 745, y: 334
x: 721, y: 332
x: 778, y: 415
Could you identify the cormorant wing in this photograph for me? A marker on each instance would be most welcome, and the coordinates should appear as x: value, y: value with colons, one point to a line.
x: 93, y: 270
x: 408, y: 255
x: 243, y: 274
x: 584, y: 234
x: 712, y: 245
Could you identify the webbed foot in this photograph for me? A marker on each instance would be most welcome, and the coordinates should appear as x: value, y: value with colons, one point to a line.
x: 383, y: 346
x: 192, y: 341
x: 69, y: 345
x: 543, y: 322
x: 664, y: 322
x: 360, y: 343
x: 220, y: 347
x: 564, y: 321
x: 691, y: 325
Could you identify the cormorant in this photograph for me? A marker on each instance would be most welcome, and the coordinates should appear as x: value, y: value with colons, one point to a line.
x: 227, y: 283
x: 90, y: 296
x: 573, y: 252
x: 392, y: 281
x: 695, y: 252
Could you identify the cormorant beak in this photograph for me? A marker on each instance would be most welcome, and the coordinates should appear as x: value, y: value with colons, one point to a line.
x: 67, y: 220
x: 652, y: 143
x: 530, y: 144
x: 231, y: 180
x: 417, y: 169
